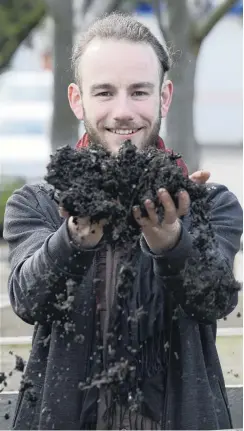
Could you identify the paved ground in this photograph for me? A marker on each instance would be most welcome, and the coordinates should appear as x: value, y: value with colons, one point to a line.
x: 235, y: 397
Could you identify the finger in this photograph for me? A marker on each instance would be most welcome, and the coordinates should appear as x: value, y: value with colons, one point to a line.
x: 204, y: 176
x: 62, y: 212
x: 200, y: 177
x: 152, y: 215
x: 98, y: 226
x: 183, y: 203
x: 102, y: 222
x: 170, y: 215
x: 137, y: 213
x: 142, y: 221
x: 81, y: 222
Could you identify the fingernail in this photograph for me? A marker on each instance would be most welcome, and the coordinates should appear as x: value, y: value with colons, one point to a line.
x: 162, y: 190
x: 149, y: 203
x: 135, y: 207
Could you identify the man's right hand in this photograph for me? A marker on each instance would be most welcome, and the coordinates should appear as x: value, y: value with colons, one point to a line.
x: 82, y: 231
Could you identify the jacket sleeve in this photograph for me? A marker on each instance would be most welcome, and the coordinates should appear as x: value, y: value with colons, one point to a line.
x: 42, y: 257
x: 203, y: 284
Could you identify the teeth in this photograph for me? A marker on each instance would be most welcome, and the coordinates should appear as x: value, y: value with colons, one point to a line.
x: 123, y: 132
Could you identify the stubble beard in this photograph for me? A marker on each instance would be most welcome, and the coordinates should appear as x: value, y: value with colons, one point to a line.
x: 93, y: 135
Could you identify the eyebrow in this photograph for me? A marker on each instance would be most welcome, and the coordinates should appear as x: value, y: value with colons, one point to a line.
x: 144, y: 84
x: 98, y: 87
x: 135, y: 86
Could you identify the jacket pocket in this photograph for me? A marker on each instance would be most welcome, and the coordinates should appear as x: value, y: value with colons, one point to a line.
x: 226, y: 403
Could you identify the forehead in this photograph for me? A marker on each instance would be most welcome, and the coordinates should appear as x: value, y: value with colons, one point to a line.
x: 119, y: 63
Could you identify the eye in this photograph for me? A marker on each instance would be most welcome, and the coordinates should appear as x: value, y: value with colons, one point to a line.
x: 104, y: 94
x: 140, y: 93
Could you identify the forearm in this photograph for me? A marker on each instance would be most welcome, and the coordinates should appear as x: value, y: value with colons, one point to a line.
x: 42, y: 255
x: 202, y: 284
x: 37, y: 282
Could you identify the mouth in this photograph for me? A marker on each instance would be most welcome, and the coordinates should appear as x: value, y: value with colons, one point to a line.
x: 124, y: 132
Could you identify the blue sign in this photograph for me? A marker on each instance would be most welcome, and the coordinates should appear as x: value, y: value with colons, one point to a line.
x: 237, y: 9
x: 144, y: 8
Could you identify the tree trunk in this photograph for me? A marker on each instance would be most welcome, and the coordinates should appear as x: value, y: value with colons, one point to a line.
x: 180, y: 125
x: 64, y: 130
x: 180, y: 122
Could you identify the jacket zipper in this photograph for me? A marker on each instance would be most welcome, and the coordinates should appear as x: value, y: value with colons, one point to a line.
x: 108, y: 306
x: 89, y: 350
x: 165, y: 403
x: 167, y: 375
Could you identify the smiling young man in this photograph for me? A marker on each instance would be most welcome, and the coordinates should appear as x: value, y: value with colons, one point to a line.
x: 121, y: 91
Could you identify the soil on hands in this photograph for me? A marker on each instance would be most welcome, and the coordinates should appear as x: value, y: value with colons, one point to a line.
x: 93, y: 183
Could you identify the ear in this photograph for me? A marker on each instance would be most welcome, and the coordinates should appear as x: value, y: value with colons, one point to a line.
x: 75, y: 100
x: 166, y: 97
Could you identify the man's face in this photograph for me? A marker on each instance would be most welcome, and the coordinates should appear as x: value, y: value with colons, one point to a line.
x: 120, y: 96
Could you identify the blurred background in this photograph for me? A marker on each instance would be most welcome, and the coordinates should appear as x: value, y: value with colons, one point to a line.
x: 204, y: 122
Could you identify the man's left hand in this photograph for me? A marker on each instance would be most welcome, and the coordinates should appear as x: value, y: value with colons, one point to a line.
x: 200, y: 177
x: 164, y: 236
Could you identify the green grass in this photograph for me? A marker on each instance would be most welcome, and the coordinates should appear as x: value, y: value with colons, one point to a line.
x: 8, y: 186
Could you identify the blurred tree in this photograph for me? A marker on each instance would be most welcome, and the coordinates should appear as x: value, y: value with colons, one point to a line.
x: 64, y: 128
x: 17, y: 19
x: 184, y: 25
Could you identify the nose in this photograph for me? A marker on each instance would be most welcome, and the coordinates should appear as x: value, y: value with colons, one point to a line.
x: 122, y: 109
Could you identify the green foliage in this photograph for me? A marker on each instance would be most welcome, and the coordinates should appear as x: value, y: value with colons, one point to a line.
x: 17, y: 19
x: 6, y: 190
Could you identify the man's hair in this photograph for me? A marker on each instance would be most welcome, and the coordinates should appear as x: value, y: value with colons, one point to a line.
x: 118, y: 26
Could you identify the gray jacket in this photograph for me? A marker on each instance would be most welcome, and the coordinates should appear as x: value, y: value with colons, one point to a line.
x: 45, y: 265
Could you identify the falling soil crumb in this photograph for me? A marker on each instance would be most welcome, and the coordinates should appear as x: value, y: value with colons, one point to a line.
x: 236, y: 375
x: 6, y: 416
x: 238, y: 314
x: 2, y: 377
x: 166, y: 346
x: 20, y: 363
x: 79, y: 338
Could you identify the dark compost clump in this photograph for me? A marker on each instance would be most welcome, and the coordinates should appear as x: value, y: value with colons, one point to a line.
x: 90, y: 182
x: 86, y: 184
